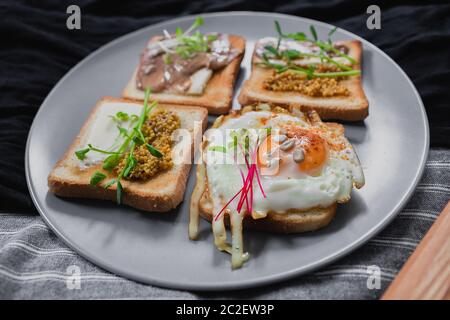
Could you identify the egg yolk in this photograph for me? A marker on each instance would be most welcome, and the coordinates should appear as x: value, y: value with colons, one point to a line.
x: 311, y: 146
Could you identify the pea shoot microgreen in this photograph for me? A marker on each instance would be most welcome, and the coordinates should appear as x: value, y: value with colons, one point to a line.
x: 132, y: 137
x: 154, y: 152
x: 286, y: 57
x: 218, y: 148
x: 81, y: 154
x: 123, y: 116
x: 96, y: 178
x: 188, y: 42
x: 241, y: 137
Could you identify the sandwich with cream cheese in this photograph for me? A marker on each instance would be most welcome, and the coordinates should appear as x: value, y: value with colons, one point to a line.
x: 133, y: 153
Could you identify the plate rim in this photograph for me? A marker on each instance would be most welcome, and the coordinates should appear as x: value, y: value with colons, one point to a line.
x: 264, y: 280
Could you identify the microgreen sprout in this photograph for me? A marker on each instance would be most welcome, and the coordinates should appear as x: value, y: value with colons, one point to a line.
x: 189, y: 42
x: 218, y: 148
x: 123, y: 116
x: 242, y: 139
x: 132, y: 138
x: 286, y: 57
x: 96, y: 178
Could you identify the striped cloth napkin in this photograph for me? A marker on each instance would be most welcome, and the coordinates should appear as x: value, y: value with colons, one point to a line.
x: 35, y: 264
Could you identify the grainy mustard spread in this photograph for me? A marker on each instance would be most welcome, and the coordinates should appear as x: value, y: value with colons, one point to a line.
x: 157, y: 130
x: 278, y: 109
x: 316, y: 87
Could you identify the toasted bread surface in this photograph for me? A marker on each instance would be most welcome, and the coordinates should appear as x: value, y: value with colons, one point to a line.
x: 218, y: 94
x: 160, y: 193
x: 352, y: 108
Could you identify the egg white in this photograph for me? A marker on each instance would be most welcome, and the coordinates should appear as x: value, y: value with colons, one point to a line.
x: 341, y: 171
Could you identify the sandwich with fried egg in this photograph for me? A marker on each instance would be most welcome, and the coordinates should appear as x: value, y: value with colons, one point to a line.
x: 271, y: 168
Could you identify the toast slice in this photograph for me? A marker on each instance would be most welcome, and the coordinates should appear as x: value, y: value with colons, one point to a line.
x: 217, y: 95
x: 161, y: 193
x: 353, y: 107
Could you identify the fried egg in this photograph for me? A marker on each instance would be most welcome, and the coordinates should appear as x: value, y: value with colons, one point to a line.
x: 302, y: 166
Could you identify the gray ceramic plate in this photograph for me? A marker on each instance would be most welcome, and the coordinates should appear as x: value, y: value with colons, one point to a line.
x: 392, y: 145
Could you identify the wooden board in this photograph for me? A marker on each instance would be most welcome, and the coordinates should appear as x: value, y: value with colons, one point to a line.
x: 426, y: 274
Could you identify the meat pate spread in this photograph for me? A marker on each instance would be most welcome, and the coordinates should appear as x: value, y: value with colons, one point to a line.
x: 163, y: 69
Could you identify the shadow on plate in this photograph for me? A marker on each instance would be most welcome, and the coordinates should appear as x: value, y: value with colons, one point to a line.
x: 103, y: 213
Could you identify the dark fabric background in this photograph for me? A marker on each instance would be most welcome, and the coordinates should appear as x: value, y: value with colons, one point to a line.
x: 37, y: 50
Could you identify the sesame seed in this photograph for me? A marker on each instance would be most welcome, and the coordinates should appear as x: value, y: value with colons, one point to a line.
x: 288, y: 144
x: 298, y: 155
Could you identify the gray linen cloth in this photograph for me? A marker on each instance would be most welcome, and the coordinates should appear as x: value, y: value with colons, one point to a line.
x: 35, y: 264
